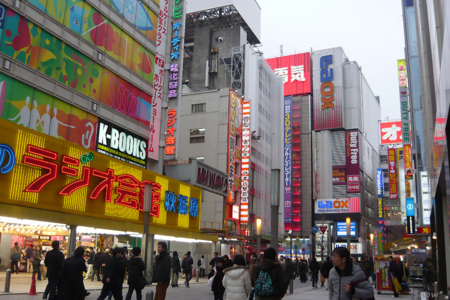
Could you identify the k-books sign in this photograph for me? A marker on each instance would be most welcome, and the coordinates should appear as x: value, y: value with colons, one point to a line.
x: 119, y: 143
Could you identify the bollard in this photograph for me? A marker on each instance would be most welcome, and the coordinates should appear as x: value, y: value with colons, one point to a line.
x: 198, y: 275
x: 291, y: 286
x: 149, y: 295
x: 435, y: 287
x: 446, y: 298
x: 7, y: 280
x: 149, y: 277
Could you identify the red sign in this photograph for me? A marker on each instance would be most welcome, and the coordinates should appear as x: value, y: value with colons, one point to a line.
x: 407, y: 158
x: 352, y: 160
x: 391, y: 133
x: 323, y: 229
x: 295, y: 71
x: 170, y: 133
x: 423, y: 230
x: 393, y: 191
x: 339, y: 175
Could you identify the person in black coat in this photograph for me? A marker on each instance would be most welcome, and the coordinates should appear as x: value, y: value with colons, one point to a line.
x: 70, y: 285
x: 289, y: 272
x: 135, y: 277
x: 315, y: 268
x: 114, y: 275
x: 176, y: 268
x: 162, y: 271
x: 104, y: 260
x: 54, y: 261
x: 217, y: 286
x: 393, y: 272
x: 271, y: 265
x: 186, y: 264
x: 325, y: 270
x: 212, y: 263
x: 97, y: 264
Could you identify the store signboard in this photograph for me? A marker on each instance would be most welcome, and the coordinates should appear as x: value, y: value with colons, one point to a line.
x: 55, y: 176
x: 341, y: 228
x: 378, y: 242
x: 352, y: 160
x: 419, y: 251
x: 340, y: 205
x: 295, y: 71
x: 392, y: 169
x: 234, y: 124
x: 423, y: 230
x: 339, y: 175
x: 380, y: 197
x: 245, y: 169
x: 355, y: 248
x: 410, y: 207
x: 402, y: 79
x: 426, y: 198
x: 235, y: 212
x: 86, y: 240
x: 407, y: 157
x: 288, y: 159
x: 120, y: 143
x: 391, y: 132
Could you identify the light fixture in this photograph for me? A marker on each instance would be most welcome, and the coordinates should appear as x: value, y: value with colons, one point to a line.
x: 434, y: 236
x: 99, y: 55
x: 17, y: 4
x: 94, y: 106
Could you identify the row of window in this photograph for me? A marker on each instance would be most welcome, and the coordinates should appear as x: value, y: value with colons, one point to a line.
x: 197, y: 135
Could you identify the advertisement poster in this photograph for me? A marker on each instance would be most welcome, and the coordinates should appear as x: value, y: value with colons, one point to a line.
x: 287, y: 160
x: 391, y: 132
x: 339, y: 175
x: 340, y: 205
x: 380, y: 199
x: 407, y: 157
x: 352, y: 160
x: 377, y: 242
x: 245, y: 173
x: 234, y: 125
x: 392, y: 169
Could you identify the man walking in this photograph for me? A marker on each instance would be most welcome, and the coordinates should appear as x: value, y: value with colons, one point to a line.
x: 15, y: 257
x: 187, y: 267
x: 212, y: 263
x: 114, y: 276
x: 29, y: 254
x: 203, y: 266
x: 54, y: 261
x: 162, y: 271
x: 314, y: 267
x: 325, y: 270
x: 393, y: 273
x: 90, y: 263
x: 366, y: 266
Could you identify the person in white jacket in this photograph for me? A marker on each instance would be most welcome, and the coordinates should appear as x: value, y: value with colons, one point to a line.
x: 237, y: 281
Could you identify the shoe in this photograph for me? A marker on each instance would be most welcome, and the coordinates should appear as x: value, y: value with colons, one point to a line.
x: 44, y: 297
x: 87, y: 294
x: 177, y: 285
x: 185, y: 283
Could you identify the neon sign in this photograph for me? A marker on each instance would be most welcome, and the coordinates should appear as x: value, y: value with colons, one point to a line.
x: 6, y: 166
x: 245, y: 191
x: 170, y: 133
x: 326, y: 77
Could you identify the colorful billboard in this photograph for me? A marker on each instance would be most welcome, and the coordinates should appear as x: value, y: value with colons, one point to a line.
x: 380, y: 198
x: 402, y: 79
x: 426, y: 198
x: 378, y: 242
x: 391, y: 132
x: 295, y: 71
x: 352, y: 160
x: 392, y: 169
x: 328, y: 104
x: 404, y: 110
x: 234, y: 126
x: 407, y: 157
x: 288, y: 160
x: 245, y: 173
x: 339, y: 177
x: 340, y: 205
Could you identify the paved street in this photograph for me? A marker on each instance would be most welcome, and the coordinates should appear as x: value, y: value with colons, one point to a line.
x: 197, y: 291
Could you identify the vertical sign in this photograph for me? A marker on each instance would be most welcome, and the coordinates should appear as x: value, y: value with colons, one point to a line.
x: 392, y: 167
x: 158, y: 81
x: 410, y: 217
x: 287, y: 160
x: 401, y: 64
x: 377, y: 242
x: 407, y: 157
x: 426, y: 198
x: 380, y: 199
x: 352, y: 160
x: 170, y: 132
x: 231, y: 156
x: 245, y: 161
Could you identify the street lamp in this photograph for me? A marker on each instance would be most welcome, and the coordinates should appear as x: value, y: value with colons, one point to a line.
x: 371, y: 242
x: 290, y: 240
x: 258, y: 237
x: 348, y: 221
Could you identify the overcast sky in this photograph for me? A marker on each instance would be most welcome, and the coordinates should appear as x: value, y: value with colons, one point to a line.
x: 370, y: 32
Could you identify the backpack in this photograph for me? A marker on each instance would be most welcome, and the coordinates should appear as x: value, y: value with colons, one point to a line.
x: 263, y: 285
x: 16, y: 256
x: 199, y: 263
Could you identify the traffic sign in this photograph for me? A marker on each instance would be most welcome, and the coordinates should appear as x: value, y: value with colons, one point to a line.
x: 315, y: 229
x: 323, y: 229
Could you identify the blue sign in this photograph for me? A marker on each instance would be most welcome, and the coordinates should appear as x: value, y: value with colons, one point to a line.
x: 182, y: 208
x: 410, y: 207
x: 315, y: 229
x: 7, y: 159
x: 342, y: 228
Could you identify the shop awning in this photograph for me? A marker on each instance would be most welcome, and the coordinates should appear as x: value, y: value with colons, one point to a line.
x: 252, y: 248
x: 402, y: 244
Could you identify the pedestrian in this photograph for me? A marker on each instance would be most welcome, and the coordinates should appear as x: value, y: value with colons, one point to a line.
x: 347, y: 281
x: 176, y: 269
x: 297, y: 265
x: 125, y: 253
x: 202, y: 267
x: 269, y: 271
x: 136, y: 280
x: 162, y: 271
x: 54, y: 261
x: 236, y: 280
x: 114, y: 275
x: 302, y: 270
x: 289, y: 272
x: 217, y: 286
x: 228, y: 261
x: 187, y: 267
x: 90, y: 263
x: 212, y: 263
x: 37, y: 254
x: 366, y: 266
x: 393, y: 273
x: 42, y: 265
x: 104, y: 260
x: 71, y: 286
x: 325, y: 270
x: 29, y: 254
x: 282, y: 260
x: 97, y: 264
x: 355, y: 260
x: 315, y: 268
x: 15, y: 256
x: 429, y: 274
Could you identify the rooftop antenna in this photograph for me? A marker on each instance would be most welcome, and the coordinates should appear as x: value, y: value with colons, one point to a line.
x: 281, y: 50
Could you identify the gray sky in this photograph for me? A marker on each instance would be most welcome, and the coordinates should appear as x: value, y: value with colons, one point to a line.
x: 370, y: 32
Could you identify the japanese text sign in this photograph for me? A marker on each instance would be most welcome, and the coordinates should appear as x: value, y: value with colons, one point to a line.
x: 287, y: 159
x: 407, y: 157
x: 392, y: 169
x: 391, y: 132
x: 245, y: 172
x: 339, y: 175
x: 170, y: 132
x: 352, y: 160
x: 234, y: 124
x: 402, y: 79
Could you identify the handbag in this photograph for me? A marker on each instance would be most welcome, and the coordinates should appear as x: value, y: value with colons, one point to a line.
x: 32, y: 259
x: 142, y: 282
x: 211, y: 280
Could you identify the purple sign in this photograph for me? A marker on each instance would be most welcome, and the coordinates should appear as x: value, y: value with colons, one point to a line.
x: 352, y: 160
x: 287, y: 160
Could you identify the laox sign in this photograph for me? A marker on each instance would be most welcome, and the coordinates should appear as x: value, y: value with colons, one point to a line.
x: 333, y: 204
x: 215, y: 181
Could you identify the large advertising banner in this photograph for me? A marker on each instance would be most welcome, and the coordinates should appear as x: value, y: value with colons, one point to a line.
x: 287, y: 160
x: 352, y: 160
x: 401, y: 65
x: 234, y: 124
x: 392, y: 167
x: 426, y: 198
x: 295, y: 71
x: 407, y: 158
x: 380, y: 198
x: 245, y: 173
x: 391, y: 132
x: 377, y: 242
x: 328, y: 89
x: 340, y: 205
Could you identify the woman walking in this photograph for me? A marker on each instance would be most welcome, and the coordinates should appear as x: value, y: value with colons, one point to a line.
x: 217, y: 286
x: 135, y: 277
x: 37, y: 253
x: 71, y: 285
x: 236, y: 280
x: 176, y: 268
x: 347, y: 281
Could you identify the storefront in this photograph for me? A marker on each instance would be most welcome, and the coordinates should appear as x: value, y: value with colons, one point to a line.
x: 59, y: 190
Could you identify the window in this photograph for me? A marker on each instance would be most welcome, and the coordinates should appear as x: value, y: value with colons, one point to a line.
x: 197, y: 135
x: 196, y: 108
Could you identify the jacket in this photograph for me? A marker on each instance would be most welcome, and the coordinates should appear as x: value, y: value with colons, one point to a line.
x: 29, y: 252
x: 352, y: 273
x: 176, y: 265
x: 91, y: 258
x: 163, y: 267
x: 187, y: 264
x: 98, y: 260
x: 314, y: 267
x: 217, y: 285
x: 70, y: 285
x: 135, y: 268
x: 326, y: 268
x: 366, y: 267
x: 393, y: 269
x: 15, y: 250
x: 54, y: 261
x: 237, y: 283
x: 115, y: 270
x: 289, y: 270
x: 212, y: 263
x: 37, y: 257
x: 276, y: 273
x: 104, y: 260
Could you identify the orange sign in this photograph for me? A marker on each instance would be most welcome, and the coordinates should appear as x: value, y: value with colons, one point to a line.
x: 407, y: 157
x: 170, y: 133
x: 423, y: 230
